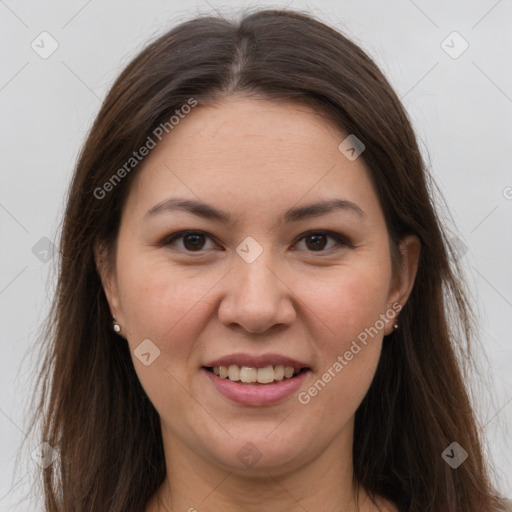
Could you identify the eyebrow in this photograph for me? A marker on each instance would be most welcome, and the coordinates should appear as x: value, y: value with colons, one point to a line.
x: 296, y: 214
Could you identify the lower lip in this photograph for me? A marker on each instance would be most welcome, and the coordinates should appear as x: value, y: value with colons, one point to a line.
x: 257, y: 394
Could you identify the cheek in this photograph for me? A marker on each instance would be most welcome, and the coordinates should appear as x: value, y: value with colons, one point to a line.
x: 345, y: 302
x: 348, y: 338
x: 168, y: 308
x: 161, y: 302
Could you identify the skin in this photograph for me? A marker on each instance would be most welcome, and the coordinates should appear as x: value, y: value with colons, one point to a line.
x: 255, y: 159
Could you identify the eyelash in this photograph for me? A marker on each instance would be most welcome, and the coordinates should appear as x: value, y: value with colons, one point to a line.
x: 341, y: 240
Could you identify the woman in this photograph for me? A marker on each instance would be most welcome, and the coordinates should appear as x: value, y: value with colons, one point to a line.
x: 254, y: 291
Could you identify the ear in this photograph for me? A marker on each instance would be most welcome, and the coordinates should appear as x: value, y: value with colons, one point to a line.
x: 107, y: 273
x: 403, y: 281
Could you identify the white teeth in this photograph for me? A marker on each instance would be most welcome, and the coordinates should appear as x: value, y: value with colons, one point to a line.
x: 247, y: 374
x: 288, y: 372
x: 279, y: 372
x: 266, y: 375
x: 233, y: 372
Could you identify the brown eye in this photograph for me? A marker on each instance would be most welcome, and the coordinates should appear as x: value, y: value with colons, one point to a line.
x: 317, y: 241
x: 192, y: 241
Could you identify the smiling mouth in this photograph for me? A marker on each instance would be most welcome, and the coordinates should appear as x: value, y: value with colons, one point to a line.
x: 251, y: 375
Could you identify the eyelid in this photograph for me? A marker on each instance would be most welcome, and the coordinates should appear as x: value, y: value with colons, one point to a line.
x: 181, y: 234
x: 342, y: 240
x: 339, y: 238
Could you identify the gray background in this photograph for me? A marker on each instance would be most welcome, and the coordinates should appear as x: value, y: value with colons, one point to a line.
x: 461, y: 108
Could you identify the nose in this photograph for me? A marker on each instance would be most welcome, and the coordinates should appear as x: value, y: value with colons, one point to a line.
x: 256, y: 297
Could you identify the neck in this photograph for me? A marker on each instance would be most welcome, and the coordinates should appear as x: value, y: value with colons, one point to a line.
x: 324, y: 483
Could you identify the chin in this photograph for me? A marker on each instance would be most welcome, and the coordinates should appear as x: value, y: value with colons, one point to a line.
x: 257, y: 455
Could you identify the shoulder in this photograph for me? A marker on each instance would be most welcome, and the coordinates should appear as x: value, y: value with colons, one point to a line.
x: 505, y: 505
x: 384, y: 505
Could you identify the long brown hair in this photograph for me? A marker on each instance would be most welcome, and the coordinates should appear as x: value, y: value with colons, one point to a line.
x: 92, y: 407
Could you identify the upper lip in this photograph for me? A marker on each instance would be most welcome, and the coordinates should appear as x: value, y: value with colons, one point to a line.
x: 256, y: 361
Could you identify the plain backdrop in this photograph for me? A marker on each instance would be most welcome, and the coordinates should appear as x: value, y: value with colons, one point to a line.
x: 457, y: 89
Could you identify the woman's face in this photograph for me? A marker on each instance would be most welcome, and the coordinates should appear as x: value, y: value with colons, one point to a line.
x: 275, y: 284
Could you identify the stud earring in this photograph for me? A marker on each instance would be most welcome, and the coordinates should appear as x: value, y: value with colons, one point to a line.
x: 396, y: 325
x: 117, y: 327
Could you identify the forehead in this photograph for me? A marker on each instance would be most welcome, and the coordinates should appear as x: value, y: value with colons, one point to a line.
x: 255, y: 131
x: 251, y: 153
